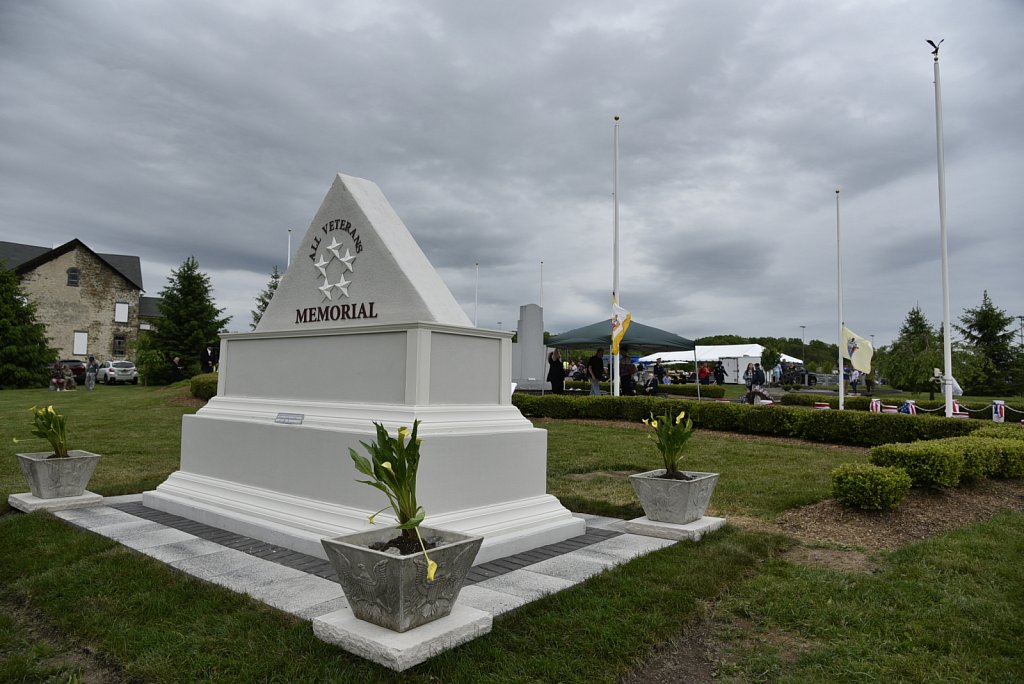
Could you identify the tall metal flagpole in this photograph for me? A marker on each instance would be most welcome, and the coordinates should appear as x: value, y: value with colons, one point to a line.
x: 947, y: 346
x: 615, y: 248
x: 288, y: 259
x: 542, y: 284
x: 476, y: 297
x: 839, y: 278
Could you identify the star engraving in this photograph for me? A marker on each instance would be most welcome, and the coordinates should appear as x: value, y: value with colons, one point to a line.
x: 347, y: 260
x: 342, y: 285
x: 321, y: 266
x: 326, y: 289
x: 334, y: 247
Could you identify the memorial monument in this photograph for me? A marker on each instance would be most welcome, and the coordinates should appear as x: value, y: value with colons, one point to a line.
x: 362, y: 329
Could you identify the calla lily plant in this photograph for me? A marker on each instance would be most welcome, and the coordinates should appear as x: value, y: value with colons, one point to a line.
x: 670, y: 435
x: 392, y: 468
x: 51, y: 426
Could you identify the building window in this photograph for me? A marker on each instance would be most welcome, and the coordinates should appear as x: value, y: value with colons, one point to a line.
x: 119, y: 345
x: 81, y: 343
x: 73, y: 277
x: 120, y: 312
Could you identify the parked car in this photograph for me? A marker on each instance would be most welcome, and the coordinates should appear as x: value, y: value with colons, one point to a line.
x: 112, y: 372
x: 77, y: 369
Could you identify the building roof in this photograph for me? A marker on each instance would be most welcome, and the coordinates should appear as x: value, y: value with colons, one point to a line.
x: 24, y: 258
x: 149, y: 307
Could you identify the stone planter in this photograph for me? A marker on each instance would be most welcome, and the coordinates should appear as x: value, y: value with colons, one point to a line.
x: 674, y: 501
x: 53, y: 478
x: 392, y: 591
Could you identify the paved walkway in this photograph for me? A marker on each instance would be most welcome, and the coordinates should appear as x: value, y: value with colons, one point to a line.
x: 306, y: 586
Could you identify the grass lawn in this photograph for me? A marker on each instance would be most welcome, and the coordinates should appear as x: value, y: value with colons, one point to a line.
x: 78, y: 607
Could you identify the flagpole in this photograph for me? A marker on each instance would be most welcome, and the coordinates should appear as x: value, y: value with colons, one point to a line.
x: 288, y: 260
x: 947, y: 350
x: 476, y: 297
x: 839, y: 279
x: 615, y: 249
x: 542, y: 284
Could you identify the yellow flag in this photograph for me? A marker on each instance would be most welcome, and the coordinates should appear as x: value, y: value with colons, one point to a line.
x: 857, y: 350
x: 620, y: 323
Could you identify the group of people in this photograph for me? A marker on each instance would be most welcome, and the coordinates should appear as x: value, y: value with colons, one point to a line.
x: 706, y: 375
x: 62, y: 378
x: 633, y: 378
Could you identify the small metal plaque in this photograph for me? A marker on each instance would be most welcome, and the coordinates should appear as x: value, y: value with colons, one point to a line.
x: 289, y: 418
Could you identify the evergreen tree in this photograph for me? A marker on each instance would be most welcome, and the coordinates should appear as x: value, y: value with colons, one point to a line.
x: 264, y: 297
x: 988, y: 334
x: 909, y: 362
x: 189, y: 317
x: 25, y: 353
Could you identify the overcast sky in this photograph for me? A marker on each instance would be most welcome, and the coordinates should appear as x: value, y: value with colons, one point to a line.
x: 209, y: 128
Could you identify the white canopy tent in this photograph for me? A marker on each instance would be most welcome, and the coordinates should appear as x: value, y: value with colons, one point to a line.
x: 714, y: 352
x: 734, y: 357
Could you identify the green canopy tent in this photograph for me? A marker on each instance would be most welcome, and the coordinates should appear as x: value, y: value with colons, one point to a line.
x: 639, y: 339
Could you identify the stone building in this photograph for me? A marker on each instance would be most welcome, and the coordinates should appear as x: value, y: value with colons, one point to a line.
x: 91, y: 304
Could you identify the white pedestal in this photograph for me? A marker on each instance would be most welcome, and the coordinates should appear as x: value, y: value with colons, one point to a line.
x: 268, y: 457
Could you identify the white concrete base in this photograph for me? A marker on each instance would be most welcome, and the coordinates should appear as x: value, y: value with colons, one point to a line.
x: 27, y: 502
x: 690, y: 531
x: 400, y: 651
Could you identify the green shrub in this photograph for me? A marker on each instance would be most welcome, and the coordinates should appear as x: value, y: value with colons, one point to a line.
x: 687, y: 390
x: 204, y: 386
x: 871, y: 487
x: 981, y: 456
x: 856, y: 428
x: 929, y: 464
x: 1001, y: 431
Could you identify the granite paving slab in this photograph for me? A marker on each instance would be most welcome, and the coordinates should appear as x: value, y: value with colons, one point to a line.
x: 488, y: 600
x: 176, y: 551
x: 574, y: 567
x: 526, y: 584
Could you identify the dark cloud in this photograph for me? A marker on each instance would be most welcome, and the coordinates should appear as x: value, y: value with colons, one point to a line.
x: 209, y: 129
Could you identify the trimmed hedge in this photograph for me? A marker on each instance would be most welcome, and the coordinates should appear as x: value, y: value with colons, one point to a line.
x: 871, y: 487
x: 687, y: 390
x: 862, y: 403
x: 991, y: 456
x: 204, y: 386
x: 1003, y: 431
x: 929, y: 464
x: 856, y: 428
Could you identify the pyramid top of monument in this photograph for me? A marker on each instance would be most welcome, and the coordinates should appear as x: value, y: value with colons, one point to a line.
x: 358, y: 264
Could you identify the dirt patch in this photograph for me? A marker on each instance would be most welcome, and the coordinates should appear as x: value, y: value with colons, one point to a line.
x: 686, y: 659
x: 843, y: 560
x: 924, y: 513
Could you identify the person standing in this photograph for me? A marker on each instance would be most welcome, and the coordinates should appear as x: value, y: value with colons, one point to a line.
x: 595, y: 371
x: 748, y: 376
x: 556, y: 372
x: 659, y: 371
x: 90, y: 373
x: 206, y: 359
x: 720, y: 373
x: 759, y: 377
x: 854, y: 379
